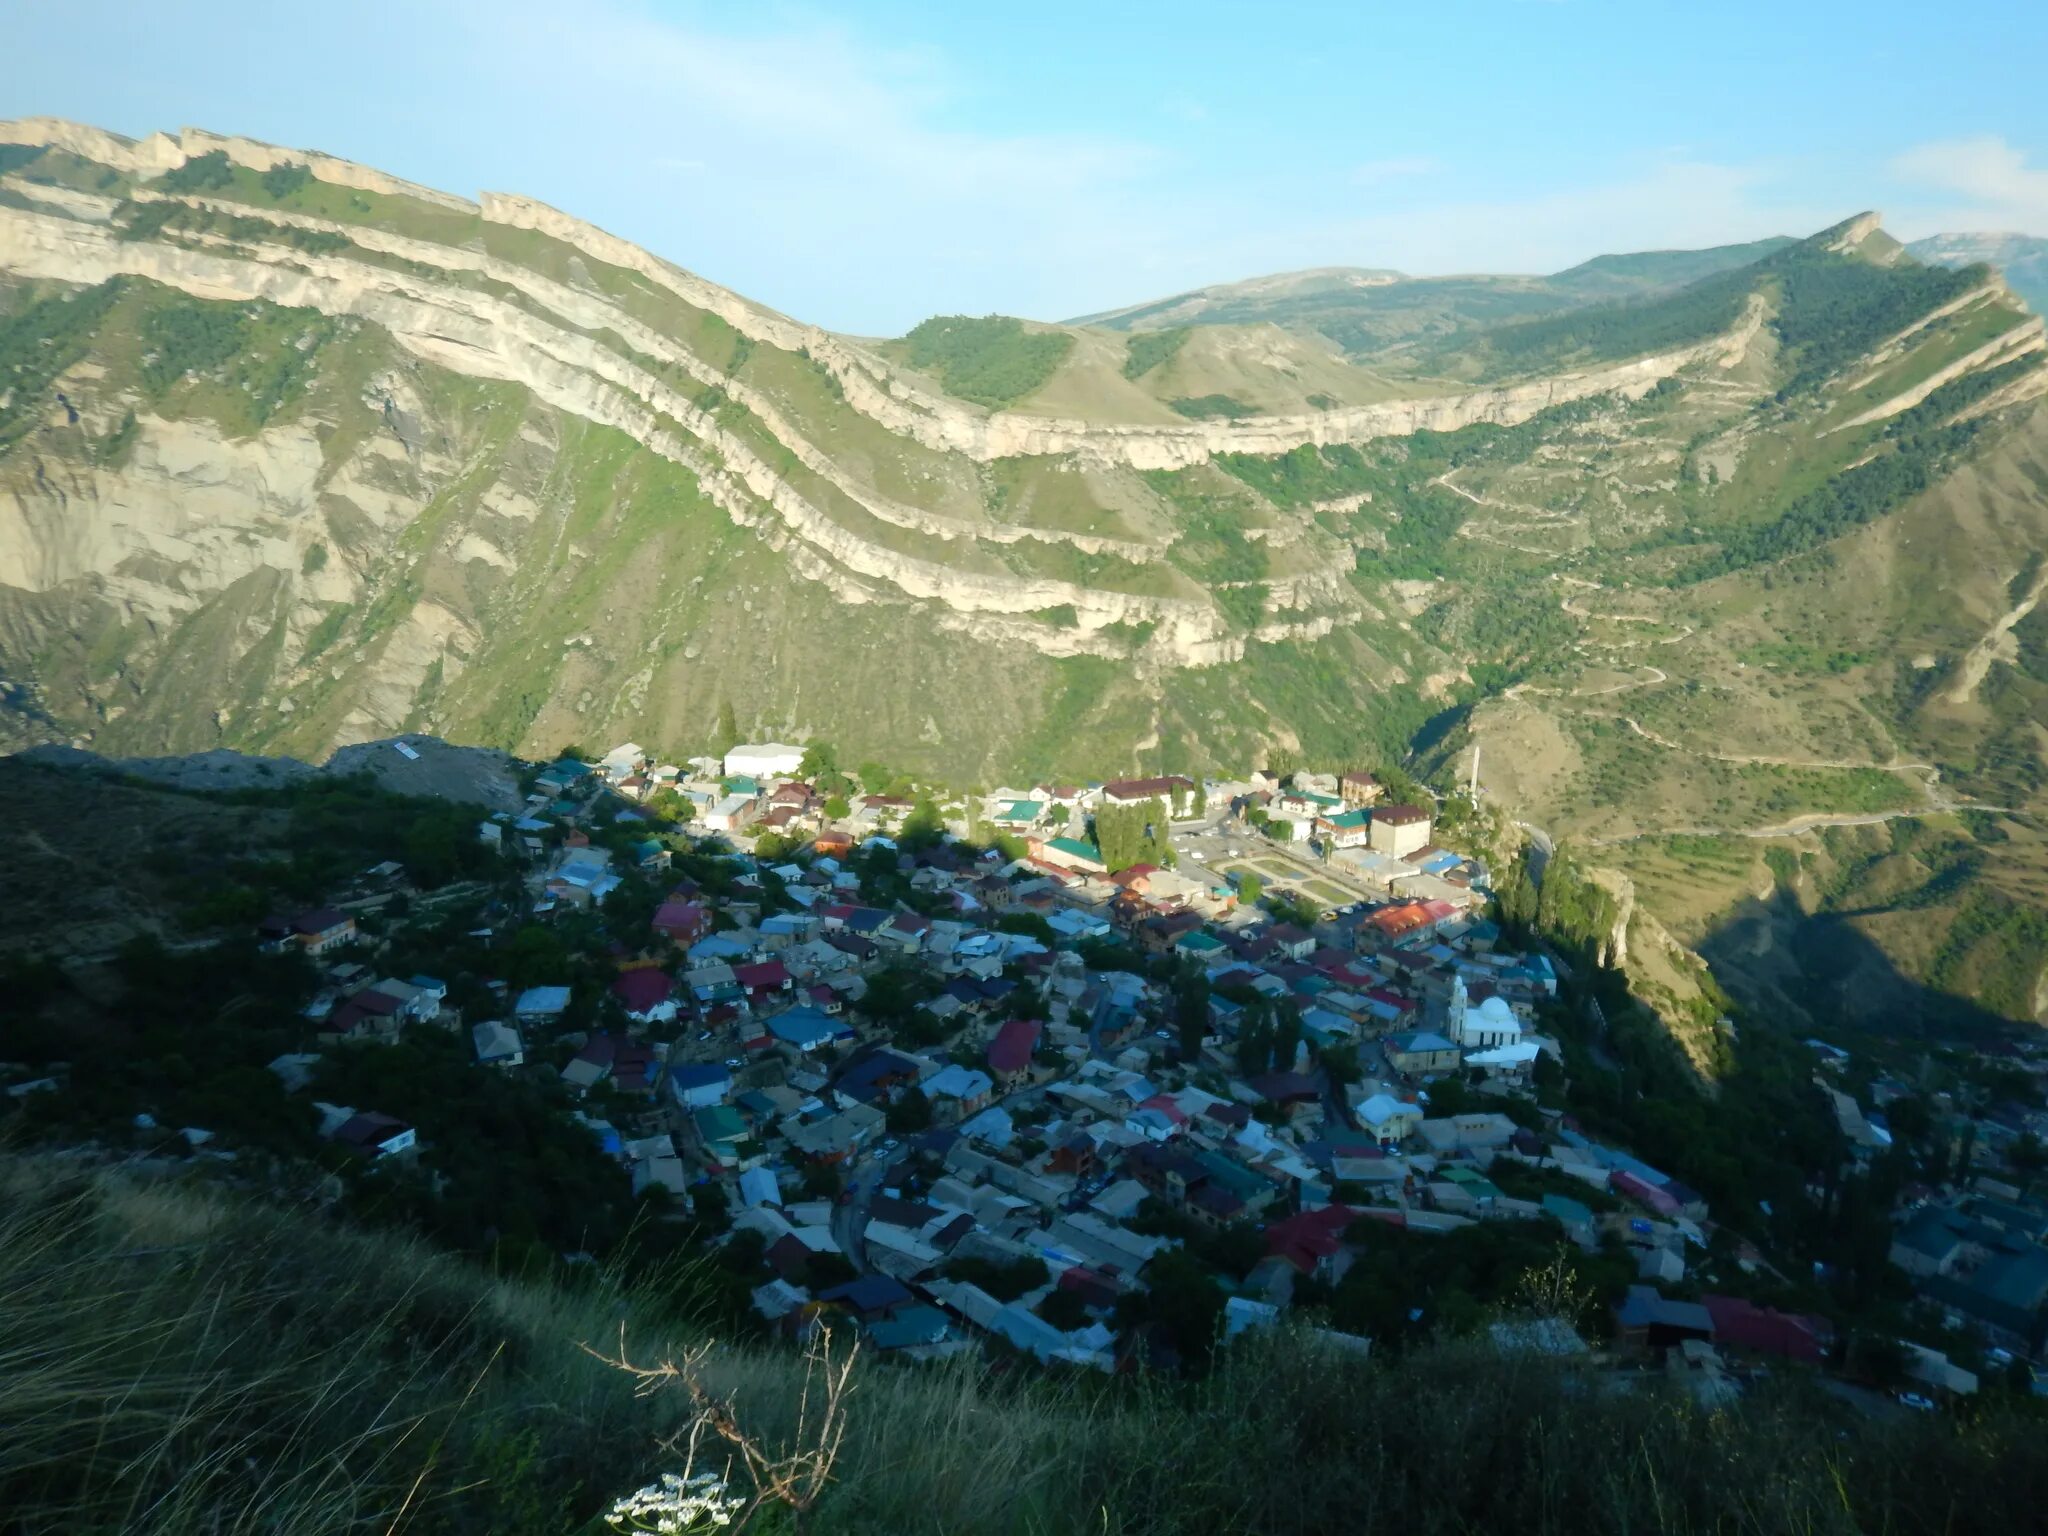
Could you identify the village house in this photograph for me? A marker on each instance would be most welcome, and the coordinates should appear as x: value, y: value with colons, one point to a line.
x: 729, y: 814
x: 323, y: 929
x: 497, y: 1044
x: 1172, y: 790
x: 1357, y: 789
x: 1009, y: 1053
x: 1345, y: 829
x: 764, y: 760
x: 1399, y: 830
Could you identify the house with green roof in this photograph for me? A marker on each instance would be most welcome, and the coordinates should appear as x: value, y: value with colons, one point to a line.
x: 1073, y: 853
x: 1015, y: 815
x: 1346, y: 829
x: 721, y: 1130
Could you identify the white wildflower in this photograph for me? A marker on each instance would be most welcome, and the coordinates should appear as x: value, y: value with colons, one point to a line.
x: 676, y: 1506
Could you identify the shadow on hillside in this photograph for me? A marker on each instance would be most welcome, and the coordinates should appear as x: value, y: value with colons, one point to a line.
x: 1821, y: 970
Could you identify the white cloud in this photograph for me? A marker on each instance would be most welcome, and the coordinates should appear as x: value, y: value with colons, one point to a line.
x: 827, y: 174
x: 1978, y: 184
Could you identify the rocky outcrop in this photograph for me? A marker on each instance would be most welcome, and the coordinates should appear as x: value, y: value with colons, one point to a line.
x: 486, y: 336
x: 872, y: 388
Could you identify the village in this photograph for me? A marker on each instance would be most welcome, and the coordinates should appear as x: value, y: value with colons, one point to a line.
x: 1109, y: 1072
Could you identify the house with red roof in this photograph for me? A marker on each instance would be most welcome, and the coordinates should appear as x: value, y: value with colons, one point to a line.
x: 647, y: 994
x: 1009, y: 1054
x: 764, y: 980
x: 682, y: 922
x: 1313, y: 1241
x: 1743, y: 1327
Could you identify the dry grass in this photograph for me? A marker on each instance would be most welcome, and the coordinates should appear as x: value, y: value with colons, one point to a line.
x: 176, y: 1360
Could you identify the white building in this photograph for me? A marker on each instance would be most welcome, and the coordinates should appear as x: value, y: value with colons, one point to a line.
x: 769, y: 759
x: 1488, y: 1027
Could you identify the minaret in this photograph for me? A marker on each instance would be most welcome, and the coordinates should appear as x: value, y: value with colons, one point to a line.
x: 1459, y: 1003
x: 1475, y: 773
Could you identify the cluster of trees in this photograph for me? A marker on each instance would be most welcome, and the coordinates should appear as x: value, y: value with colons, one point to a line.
x: 991, y: 359
x: 1211, y: 407
x: 285, y: 178
x: 210, y: 172
x: 1148, y: 349
x: 1134, y: 834
x: 1268, y: 1035
x: 1005, y: 1282
x: 1628, y: 328
x: 1832, y: 308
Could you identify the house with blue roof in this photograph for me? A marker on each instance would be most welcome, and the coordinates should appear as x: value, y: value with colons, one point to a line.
x: 807, y: 1028
x: 541, y: 1002
x: 698, y: 1085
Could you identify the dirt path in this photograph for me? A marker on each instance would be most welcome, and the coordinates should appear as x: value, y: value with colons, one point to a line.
x: 1760, y: 760
x: 1810, y: 822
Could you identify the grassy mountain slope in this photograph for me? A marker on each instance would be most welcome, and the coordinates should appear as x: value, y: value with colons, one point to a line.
x: 183, y: 1361
x: 293, y: 456
x: 1365, y: 311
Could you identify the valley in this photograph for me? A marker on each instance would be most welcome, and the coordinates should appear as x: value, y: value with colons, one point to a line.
x: 1740, y: 545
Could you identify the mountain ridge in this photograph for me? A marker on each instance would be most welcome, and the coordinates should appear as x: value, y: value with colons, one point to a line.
x: 293, y: 458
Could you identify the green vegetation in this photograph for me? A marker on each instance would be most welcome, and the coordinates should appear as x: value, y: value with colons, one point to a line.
x: 992, y: 360
x: 1918, y: 447
x: 301, y: 1372
x: 14, y: 157
x: 1832, y: 309
x: 245, y: 362
x: 1134, y: 834
x: 285, y: 178
x: 1149, y: 349
x: 1998, y: 945
x: 37, y: 345
x: 1609, y: 332
x: 1212, y: 407
x: 209, y: 172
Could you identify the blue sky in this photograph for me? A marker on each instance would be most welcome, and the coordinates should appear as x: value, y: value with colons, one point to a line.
x: 864, y: 166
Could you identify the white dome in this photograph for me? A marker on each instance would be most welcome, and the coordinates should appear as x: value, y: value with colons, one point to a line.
x: 1494, y: 1013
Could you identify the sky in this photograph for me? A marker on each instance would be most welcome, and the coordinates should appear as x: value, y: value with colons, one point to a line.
x: 864, y: 166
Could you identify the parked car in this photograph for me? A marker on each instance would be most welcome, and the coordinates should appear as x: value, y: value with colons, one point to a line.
x: 1916, y: 1402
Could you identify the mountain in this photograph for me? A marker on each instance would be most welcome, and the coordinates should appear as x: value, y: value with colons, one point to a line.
x: 2023, y: 259
x: 1729, y: 567
x: 1370, y: 312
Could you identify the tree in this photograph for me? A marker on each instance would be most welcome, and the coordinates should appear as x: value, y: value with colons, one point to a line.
x: 1286, y: 1036
x: 728, y: 729
x: 925, y: 826
x: 1250, y: 888
x: 820, y: 758
x: 1191, y: 1011
x: 1184, y: 1303
x: 1065, y: 1310
x: 837, y: 808
x: 911, y: 1112
x: 713, y: 1205
x: 1449, y: 1097
x: 1340, y: 1064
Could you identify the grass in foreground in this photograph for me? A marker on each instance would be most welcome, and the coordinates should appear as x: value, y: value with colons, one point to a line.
x: 175, y: 1360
